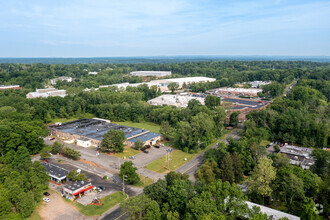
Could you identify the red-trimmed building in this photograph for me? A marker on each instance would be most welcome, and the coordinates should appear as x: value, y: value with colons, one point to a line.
x: 75, y: 190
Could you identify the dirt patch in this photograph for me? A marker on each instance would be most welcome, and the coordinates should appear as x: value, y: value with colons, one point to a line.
x: 96, y: 165
x: 58, y: 209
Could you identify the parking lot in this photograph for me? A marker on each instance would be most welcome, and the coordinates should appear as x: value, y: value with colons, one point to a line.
x: 143, y: 159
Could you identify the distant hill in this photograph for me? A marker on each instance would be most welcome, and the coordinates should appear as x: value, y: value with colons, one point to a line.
x: 160, y: 59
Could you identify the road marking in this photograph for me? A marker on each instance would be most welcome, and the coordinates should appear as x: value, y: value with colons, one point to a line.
x: 121, y: 215
x: 192, y: 167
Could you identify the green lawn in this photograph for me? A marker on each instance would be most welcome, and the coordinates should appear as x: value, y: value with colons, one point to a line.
x: 144, y: 181
x: 145, y: 125
x: 178, y: 158
x: 62, y: 120
x: 129, y: 151
x: 107, y: 203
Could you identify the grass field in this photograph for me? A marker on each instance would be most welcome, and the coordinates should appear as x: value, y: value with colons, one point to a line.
x: 129, y: 151
x: 62, y: 120
x: 145, y: 125
x: 144, y: 181
x: 178, y: 158
x: 107, y: 203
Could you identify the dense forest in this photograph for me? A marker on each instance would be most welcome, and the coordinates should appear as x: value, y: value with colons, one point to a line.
x: 301, y: 117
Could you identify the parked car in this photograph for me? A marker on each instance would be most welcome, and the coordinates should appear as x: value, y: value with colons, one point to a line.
x: 156, y: 146
x: 52, y: 139
x: 145, y: 151
x: 102, y: 187
x: 97, y: 189
x: 46, y: 199
x: 46, y: 193
x: 132, y: 157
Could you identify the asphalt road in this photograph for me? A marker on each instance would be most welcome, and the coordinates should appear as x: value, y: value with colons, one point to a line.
x: 193, y: 165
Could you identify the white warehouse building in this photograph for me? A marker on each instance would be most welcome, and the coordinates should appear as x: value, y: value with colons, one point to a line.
x: 151, y: 73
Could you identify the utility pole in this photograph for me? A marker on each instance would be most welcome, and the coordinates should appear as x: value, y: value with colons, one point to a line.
x: 124, y: 178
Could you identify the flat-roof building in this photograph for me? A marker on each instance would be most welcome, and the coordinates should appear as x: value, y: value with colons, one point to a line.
x: 163, y: 83
x: 151, y: 73
x: 180, y: 100
x: 300, y: 156
x: 3, y: 87
x: 77, y: 189
x: 272, y: 213
x: 56, y: 173
x: 45, y: 93
x: 235, y: 91
x: 61, y: 78
x: 91, y: 131
x: 92, y: 73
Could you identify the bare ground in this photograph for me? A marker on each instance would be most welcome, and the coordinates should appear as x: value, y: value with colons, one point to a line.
x: 58, y: 209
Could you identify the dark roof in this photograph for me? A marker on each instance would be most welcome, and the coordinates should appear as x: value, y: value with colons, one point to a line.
x: 144, y: 137
x: 54, y: 170
x: 73, y: 186
x: 95, y: 129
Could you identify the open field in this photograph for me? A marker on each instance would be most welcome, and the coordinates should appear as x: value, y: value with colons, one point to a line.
x: 144, y: 181
x: 178, y: 158
x: 129, y: 151
x: 107, y: 203
x: 145, y: 125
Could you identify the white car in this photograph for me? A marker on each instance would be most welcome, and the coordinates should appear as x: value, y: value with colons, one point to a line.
x: 46, y: 199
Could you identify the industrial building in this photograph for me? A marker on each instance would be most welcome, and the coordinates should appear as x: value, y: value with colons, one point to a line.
x: 89, y: 132
x: 3, y: 87
x: 180, y: 100
x: 157, y: 74
x: 45, y: 93
x: 235, y: 92
x: 77, y: 189
x: 300, y: 156
x: 163, y: 83
x: 56, y: 174
x: 258, y: 84
x: 61, y: 78
x: 92, y: 73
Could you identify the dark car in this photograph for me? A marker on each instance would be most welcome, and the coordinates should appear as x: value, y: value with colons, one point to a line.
x: 145, y: 151
x: 156, y: 146
x: 46, y: 194
x: 102, y: 187
x: 52, y: 138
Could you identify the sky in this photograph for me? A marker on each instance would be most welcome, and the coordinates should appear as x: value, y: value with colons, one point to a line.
x: 114, y: 28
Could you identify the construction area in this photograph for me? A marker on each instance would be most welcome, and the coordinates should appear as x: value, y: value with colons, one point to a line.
x: 179, y: 100
x: 92, y: 131
x: 243, y: 105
